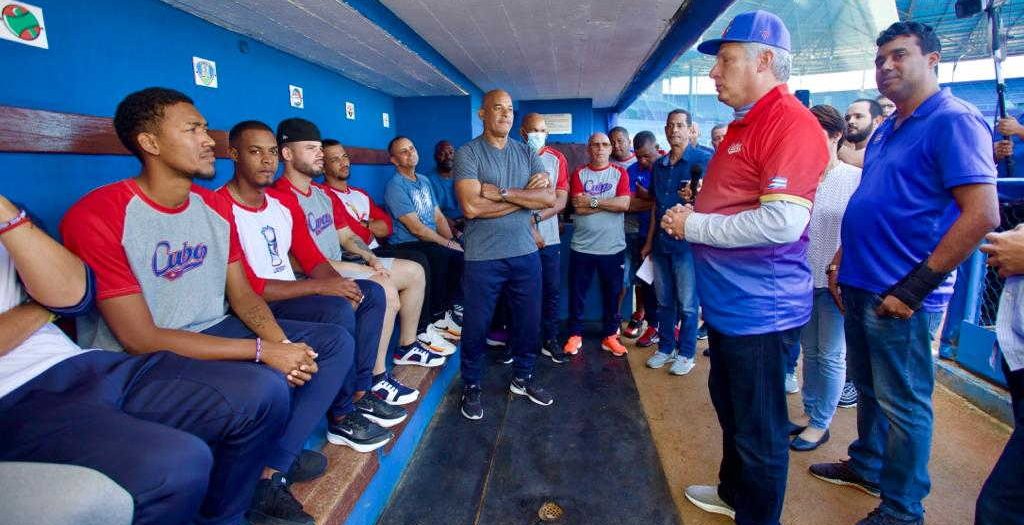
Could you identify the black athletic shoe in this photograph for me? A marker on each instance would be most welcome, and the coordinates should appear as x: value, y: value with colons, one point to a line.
x: 355, y: 431
x: 527, y: 387
x: 308, y: 466
x: 842, y: 473
x: 274, y: 504
x: 470, y: 405
x: 379, y: 411
x: 877, y: 517
x: 553, y: 350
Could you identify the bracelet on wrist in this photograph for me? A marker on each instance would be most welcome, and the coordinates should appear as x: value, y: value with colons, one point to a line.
x: 18, y: 220
x: 259, y: 349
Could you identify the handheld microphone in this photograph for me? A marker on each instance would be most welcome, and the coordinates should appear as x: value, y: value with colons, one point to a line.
x: 696, y: 173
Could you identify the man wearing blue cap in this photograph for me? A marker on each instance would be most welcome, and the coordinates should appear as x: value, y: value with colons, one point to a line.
x: 749, y: 240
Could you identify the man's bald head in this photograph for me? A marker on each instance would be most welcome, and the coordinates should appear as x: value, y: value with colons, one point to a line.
x: 600, y: 148
x: 496, y: 112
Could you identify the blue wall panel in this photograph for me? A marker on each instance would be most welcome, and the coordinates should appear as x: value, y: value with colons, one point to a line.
x: 102, y: 51
x: 427, y: 120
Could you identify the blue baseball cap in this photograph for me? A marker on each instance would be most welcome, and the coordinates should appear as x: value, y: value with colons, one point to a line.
x: 760, y: 27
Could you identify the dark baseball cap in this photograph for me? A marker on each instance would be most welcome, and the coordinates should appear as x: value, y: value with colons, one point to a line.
x: 759, y: 27
x: 296, y: 130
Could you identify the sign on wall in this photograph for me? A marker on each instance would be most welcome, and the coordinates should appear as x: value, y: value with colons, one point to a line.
x: 558, y: 123
x: 350, y: 111
x: 386, y: 119
x: 295, y: 97
x: 205, y: 72
x: 23, y: 23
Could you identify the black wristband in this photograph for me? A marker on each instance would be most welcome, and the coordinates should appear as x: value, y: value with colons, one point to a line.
x: 916, y: 285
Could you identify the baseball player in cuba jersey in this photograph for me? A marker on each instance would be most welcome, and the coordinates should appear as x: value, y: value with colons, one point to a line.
x: 328, y: 222
x: 407, y: 272
x: 271, y: 235
x: 600, y: 197
x: 148, y: 422
x: 168, y: 265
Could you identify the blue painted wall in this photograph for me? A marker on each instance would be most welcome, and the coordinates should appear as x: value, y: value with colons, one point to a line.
x: 101, y: 52
x: 428, y: 120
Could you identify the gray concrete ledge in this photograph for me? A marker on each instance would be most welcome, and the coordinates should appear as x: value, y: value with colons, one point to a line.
x: 989, y: 398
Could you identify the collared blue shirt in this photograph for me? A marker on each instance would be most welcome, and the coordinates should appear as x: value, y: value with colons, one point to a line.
x: 904, y: 204
x: 666, y: 180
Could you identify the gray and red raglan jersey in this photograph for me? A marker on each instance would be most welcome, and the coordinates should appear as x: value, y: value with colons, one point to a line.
x: 324, y: 215
x: 177, y: 258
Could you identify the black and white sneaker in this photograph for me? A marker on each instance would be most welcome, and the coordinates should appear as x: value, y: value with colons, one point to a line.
x: 417, y: 354
x: 553, y: 350
x: 470, y: 405
x: 848, y: 399
x: 308, y: 466
x: 380, y: 412
x: 355, y: 431
x: 274, y: 504
x: 392, y: 391
x: 527, y: 387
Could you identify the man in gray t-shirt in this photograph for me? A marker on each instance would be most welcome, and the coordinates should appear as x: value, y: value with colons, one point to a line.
x: 600, y: 195
x: 497, y: 183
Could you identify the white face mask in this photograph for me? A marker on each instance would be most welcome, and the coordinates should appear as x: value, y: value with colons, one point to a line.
x: 536, y: 140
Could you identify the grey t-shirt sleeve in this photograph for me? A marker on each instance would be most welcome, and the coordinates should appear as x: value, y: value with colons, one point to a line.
x: 398, y: 199
x: 466, y: 166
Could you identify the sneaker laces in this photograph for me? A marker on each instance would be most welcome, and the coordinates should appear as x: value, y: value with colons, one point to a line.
x: 386, y: 384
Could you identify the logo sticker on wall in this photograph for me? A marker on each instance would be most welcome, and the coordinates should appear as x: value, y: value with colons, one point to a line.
x: 386, y: 119
x: 23, y: 23
x: 205, y: 72
x: 350, y: 111
x: 295, y: 97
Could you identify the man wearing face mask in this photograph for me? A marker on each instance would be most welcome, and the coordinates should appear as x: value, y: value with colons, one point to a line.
x: 545, y: 223
x: 442, y: 181
x: 862, y: 117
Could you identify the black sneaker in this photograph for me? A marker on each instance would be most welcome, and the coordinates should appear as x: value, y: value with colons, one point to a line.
x: 355, y: 431
x: 877, y: 517
x: 470, y: 405
x: 527, y: 387
x: 379, y: 411
x: 553, y: 350
x: 505, y: 356
x: 842, y: 473
x: 308, y: 466
x: 274, y: 504
x: 848, y: 399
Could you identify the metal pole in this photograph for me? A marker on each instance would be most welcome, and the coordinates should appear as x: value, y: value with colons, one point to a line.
x: 998, y: 55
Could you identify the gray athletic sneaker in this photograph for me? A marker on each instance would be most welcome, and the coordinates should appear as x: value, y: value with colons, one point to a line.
x: 706, y: 498
x: 659, y: 359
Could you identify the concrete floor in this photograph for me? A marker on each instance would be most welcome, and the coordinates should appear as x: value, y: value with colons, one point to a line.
x: 966, y: 444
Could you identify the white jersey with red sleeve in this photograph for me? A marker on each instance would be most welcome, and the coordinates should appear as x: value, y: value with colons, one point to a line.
x: 362, y: 209
x: 177, y: 258
x: 269, y: 234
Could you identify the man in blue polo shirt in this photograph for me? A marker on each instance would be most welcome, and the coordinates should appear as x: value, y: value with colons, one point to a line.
x: 926, y: 199
x: 675, y: 284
